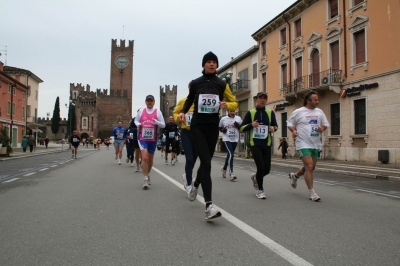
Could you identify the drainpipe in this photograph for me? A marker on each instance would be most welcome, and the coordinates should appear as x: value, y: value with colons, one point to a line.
x: 11, y: 113
x: 290, y: 50
x: 26, y: 105
x: 345, y: 39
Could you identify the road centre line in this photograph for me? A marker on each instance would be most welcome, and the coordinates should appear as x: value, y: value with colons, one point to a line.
x: 44, y: 169
x: 382, y: 194
x: 30, y: 174
x: 54, y: 165
x: 8, y: 181
x: 263, y: 239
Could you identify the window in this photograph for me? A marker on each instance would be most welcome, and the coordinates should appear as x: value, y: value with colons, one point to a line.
x: 283, y: 36
x: 36, y: 95
x: 297, y: 28
x: 62, y: 130
x: 9, y: 89
x: 255, y: 71
x: 356, y: 2
x: 13, y: 109
x: 264, y: 82
x: 243, y: 79
x: 23, y: 112
x: 28, y: 111
x: 14, y: 89
x: 84, y: 122
x: 299, y: 67
x: 283, y: 123
x: 335, y: 55
x: 284, y: 74
x: 8, y: 107
x: 23, y: 95
x: 360, y: 118
x: 333, y: 8
x: 359, y: 44
x: 263, y: 49
x: 335, y: 119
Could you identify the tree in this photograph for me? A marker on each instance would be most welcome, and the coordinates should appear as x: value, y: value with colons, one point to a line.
x: 55, y: 120
x: 71, y: 119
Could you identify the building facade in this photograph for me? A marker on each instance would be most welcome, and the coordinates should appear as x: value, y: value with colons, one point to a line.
x: 13, y: 98
x: 97, y: 112
x: 348, y: 52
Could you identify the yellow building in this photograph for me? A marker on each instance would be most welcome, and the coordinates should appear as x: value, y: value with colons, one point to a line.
x: 349, y: 52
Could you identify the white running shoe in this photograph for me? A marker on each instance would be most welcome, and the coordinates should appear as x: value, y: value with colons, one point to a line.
x: 188, y: 188
x: 212, y: 213
x: 233, y: 177
x: 260, y: 194
x: 146, y: 184
x: 127, y: 160
x: 173, y: 162
x: 137, y: 169
x: 149, y: 180
x: 223, y: 172
x: 184, y: 181
x: 192, y: 195
x: 119, y: 162
x: 314, y: 196
x: 166, y: 162
x: 293, y: 180
x: 254, y: 180
x: 131, y: 165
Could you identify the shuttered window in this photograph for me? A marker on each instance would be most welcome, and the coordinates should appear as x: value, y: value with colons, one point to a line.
x: 284, y: 74
x: 297, y: 26
x: 299, y: 67
x: 333, y: 8
x: 264, y: 82
x: 335, y: 55
x: 283, y: 36
x: 360, y: 117
x: 255, y: 71
x: 284, y: 127
x: 356, y: 2
x: 359, y: 41
x: 263, y: 48
x: 335, y: 119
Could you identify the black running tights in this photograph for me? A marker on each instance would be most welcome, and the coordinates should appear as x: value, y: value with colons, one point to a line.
x: 262, y: 158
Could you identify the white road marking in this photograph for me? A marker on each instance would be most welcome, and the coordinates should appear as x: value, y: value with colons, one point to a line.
x: 382, y: 194
x: 263, y: 239
x: 54, y: 165
x: 8, y: 181
x: 44, y: 169
x: 30, y: 174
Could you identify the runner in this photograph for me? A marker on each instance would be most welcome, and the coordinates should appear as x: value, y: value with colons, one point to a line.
x: 306, y: 124
x: 74, y: 141
x: 131, y: 137
x: 107, y: 142
x: 138, y: 155
x: 207, y: 93
x: 147, y: 120
x: 162, y: 139
x: 170, y: 131
x: 261, y: 122
x: 118, y: 134
x: 177, y: 146
x: 98, y: 143
x: 229, y: 126
x: 187, y: 143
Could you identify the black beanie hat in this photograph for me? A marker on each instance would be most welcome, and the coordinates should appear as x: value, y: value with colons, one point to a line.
x: 209, y: 56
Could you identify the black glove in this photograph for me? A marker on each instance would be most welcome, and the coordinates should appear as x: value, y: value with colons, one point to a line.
x: 237, y: 125
x: 223, y: 130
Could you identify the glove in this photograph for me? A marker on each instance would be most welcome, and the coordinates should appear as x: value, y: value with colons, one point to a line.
x: 223, y: 130
x: 236, y: 124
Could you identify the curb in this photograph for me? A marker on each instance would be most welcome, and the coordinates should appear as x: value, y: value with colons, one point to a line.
x: 323, y: 169
x: 30, y: 155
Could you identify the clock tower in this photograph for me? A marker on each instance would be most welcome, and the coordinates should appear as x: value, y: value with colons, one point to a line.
x: 121, y: 70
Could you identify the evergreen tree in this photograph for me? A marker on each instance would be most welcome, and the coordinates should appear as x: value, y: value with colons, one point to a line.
x: 55, y: 121
x: 71, y: 119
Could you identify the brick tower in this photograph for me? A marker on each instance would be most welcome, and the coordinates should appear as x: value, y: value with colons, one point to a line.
x: 168, y: 100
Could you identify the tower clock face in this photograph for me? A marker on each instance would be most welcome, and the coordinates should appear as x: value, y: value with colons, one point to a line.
x: 121, y: 62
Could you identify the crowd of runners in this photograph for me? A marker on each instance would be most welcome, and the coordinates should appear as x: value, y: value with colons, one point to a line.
x: 195, y: 126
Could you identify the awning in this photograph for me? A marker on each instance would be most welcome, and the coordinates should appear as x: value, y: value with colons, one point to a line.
x: 223, y: 75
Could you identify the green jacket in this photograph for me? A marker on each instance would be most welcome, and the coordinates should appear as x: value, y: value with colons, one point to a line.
x: 24, y: 143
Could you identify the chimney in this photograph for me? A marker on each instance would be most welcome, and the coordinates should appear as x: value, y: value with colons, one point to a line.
x: 1, y: 66
x: 18, y: 77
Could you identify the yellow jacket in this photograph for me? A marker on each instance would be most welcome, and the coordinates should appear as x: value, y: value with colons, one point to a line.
x: 177, y: 111
x: 230, y: 99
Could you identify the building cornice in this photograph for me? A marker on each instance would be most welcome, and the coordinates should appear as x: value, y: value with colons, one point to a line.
x: 288, y: 14
x: 238, y: 59
x: 16, y: 70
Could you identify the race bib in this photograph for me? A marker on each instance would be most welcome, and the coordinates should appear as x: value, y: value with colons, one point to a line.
x: 131, y: 135
x: 232, y: 133
x: 208, y: 104
x: 260, y: 132
x: 171, y: 135
x: 314, y: 130
x: 75, y: 139
x: 148, y: 133
x: 188, y: 118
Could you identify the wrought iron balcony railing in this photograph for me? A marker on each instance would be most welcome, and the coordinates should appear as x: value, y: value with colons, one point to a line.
x: 240, y: 85
x: 321, y: 79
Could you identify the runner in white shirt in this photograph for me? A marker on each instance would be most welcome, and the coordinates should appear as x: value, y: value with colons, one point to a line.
x: 307, y: 123
x: 229, y: 125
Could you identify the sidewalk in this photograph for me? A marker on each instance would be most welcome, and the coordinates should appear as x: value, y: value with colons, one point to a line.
x: 361, y: 169
x: 38, y: 150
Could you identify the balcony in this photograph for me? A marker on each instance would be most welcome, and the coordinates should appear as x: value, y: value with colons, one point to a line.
x: 326, y: 80
x: 240, y: 86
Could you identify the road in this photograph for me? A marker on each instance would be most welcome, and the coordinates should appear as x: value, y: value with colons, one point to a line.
x: 91, y: 211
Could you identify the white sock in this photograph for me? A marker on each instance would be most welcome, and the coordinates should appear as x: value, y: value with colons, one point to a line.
x: 146, y: 178
x: 311, y: 190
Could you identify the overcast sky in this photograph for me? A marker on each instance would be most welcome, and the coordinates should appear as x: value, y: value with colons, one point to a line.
x: 69, y: 41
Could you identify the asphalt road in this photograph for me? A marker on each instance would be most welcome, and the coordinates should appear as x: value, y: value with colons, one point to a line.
x: 91, y: 211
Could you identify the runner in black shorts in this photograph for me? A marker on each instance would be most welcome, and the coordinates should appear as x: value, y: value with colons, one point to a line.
x: 170, y: 131
x: 74, y: 140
